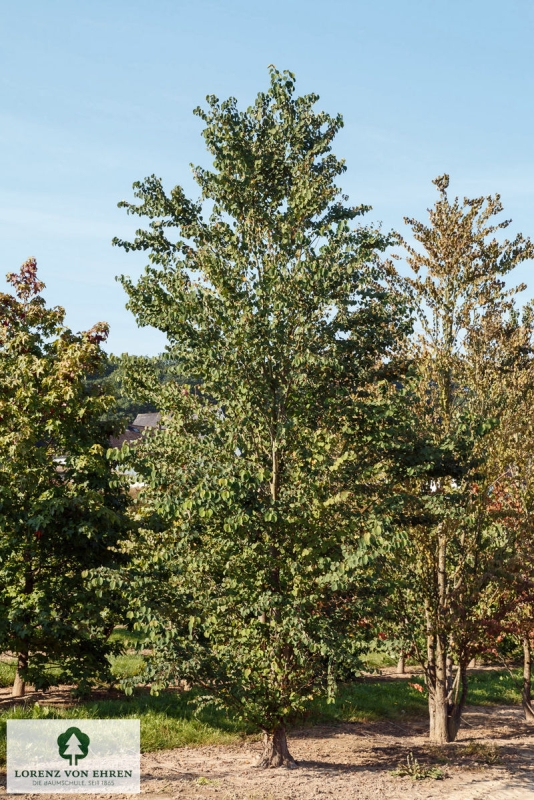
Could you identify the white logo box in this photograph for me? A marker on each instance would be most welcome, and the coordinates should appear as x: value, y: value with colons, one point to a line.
x: 76, y: 756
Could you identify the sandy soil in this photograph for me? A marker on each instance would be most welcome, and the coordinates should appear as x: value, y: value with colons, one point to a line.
x: 493, y: 759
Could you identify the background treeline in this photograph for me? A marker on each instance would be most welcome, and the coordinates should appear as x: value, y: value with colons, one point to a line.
x: 343, y: 460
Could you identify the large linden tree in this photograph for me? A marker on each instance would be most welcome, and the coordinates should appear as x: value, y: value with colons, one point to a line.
x: 270, y: 472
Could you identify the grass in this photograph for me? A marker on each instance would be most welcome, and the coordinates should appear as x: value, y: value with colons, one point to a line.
x: 125, y: 636
x: 365, y: 701
x: 7, y: 673
x: 127, y: 666
x: 494, y: 688
x: 169, y: 721
x: 376, y: 660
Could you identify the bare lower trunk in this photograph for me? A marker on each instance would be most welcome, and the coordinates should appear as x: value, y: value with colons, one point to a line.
x: 400, y: 663
x: 446, y: 696
x: 275, y: 751
x: 526, y: 698
x: 456, y: 707
x: 19, y: 685
x: 438, y: 710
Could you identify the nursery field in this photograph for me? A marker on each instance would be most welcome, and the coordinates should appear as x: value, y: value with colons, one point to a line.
x: 331, y: 458
x: 351, y: 748
x: 169, y: 720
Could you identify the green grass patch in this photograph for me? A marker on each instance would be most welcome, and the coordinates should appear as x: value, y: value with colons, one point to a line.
x: 494, y: 687
x: 361, y: 702
x: 7, y: 673
x: 126, y: 637
x: 127, y: 666
x: 169, y: 720
x: 378, y: 660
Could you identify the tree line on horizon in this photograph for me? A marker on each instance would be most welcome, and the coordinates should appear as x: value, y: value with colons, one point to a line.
x: 345, y: 454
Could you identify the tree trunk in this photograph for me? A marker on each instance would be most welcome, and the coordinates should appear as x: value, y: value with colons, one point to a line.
x: 19, y: 684
x: 526, y: 698
x: 444, y: 705
x: 456, y: 707
x: 275, y: 751
x: 400, y: 663
x: 438, y: 709
x: 438, y: 695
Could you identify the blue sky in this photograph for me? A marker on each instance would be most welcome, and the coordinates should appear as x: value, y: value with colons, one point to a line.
x: 95, y: 95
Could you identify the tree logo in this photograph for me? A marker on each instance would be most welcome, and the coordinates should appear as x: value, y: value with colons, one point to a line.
x: 73, y: 744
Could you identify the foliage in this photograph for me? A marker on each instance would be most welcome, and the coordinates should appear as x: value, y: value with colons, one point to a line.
x: 112, y: 380
x: 62, y: 505
x: 268, y: 485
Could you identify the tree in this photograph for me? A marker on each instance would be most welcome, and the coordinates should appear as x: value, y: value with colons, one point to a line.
x: 62, y: 504
x: 265, y: 484
x: 473, y: 367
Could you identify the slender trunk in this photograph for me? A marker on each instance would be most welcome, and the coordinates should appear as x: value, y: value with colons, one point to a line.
x: 275, y: 750
x: 440, y: 732
x: 457, y: 703
x: 445, y: 712
x: 431, y: 716
x: 446, y: 702
x: 19, y: 684
x: 400, y: 663
x: 440, y: 692
x: 526, y: 698
x: 430, y: 670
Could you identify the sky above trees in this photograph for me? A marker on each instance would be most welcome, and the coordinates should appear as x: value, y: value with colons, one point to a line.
x: 95, y: 96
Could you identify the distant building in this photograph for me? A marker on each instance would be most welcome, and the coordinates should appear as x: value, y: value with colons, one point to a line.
x: 135, y: 429
x: 128, y: 436
x: 143, y: 421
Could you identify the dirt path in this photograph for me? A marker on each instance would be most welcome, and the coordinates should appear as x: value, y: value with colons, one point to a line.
x: 492, y: 760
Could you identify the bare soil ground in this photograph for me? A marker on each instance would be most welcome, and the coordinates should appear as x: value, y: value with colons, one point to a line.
x: 493, y: 759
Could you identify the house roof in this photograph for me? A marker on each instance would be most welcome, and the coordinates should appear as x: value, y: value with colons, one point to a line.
x: 147, y: 420
x: 128, y: 436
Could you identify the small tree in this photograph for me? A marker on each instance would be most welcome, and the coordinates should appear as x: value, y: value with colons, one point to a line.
x: 265, y: 484
x: 473, y: 372
x: 61, y: 502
